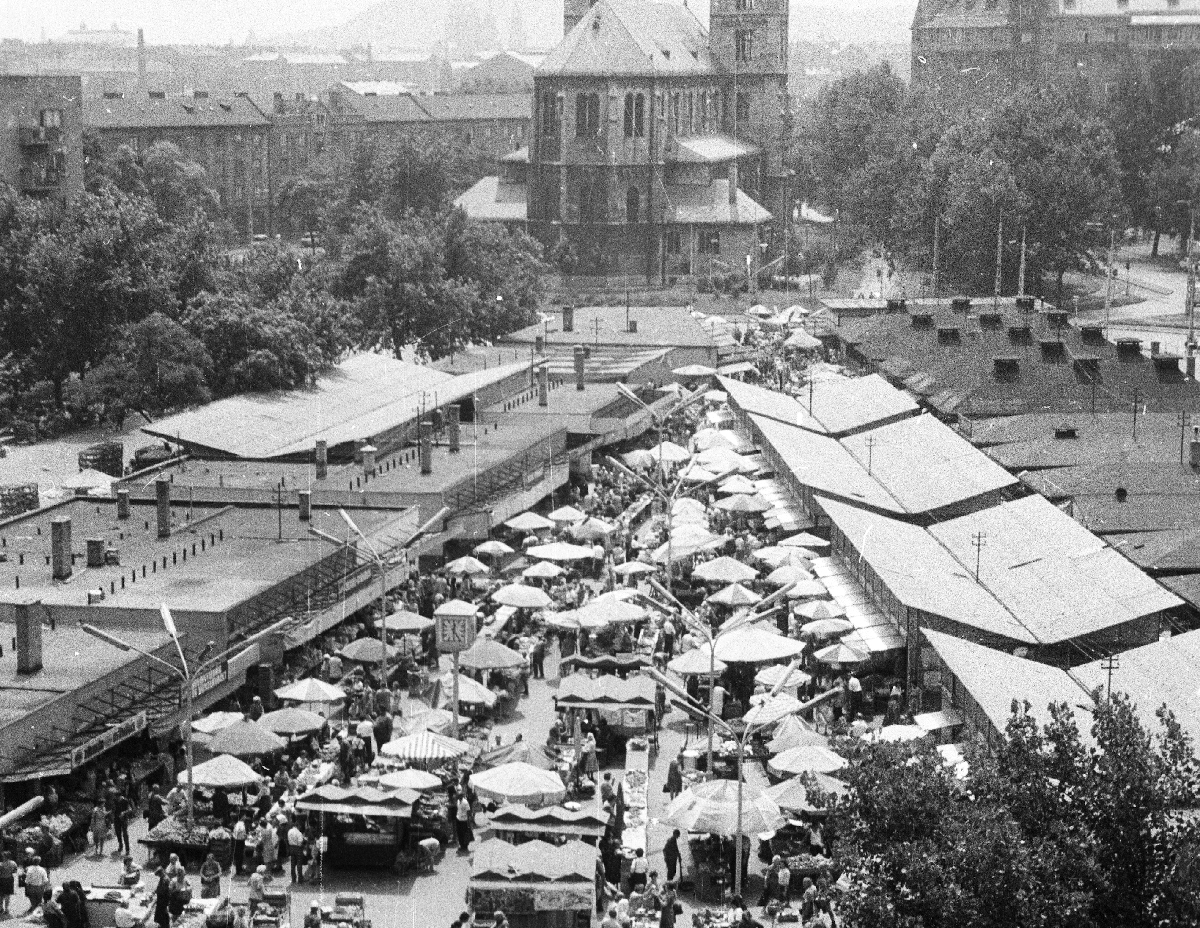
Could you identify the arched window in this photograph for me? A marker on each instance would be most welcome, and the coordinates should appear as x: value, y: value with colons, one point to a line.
x: 587, y: 114
x: 633, y: 204
x: 635, y: 115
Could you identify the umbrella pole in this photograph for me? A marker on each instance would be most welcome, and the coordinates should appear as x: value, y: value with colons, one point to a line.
x: 187, y: 746
x: 712, y: 682
x: 737, y: 838
x: 454, y: 699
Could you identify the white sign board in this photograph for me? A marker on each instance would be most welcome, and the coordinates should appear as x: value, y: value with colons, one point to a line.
x: 454, y: 632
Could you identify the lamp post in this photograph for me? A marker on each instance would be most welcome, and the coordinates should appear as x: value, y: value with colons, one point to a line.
x: 185, y: 673
x: 741, y: 741
x: 381, y: 566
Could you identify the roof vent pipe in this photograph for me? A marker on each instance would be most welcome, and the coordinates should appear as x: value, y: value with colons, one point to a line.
x: 579, y: 358
x: 162, y: 489
x: 368, y: 460
x: 568, y: 322
x: 95, y: 552
x: 305, y: 499
x: 1194, y: 448
x: 60, y: 548
x: 453, y: 426
x: 322, y: 457
x: 29, y: 636
x: 426, y: 447
x: 543, y: 386
x: 122, y: 503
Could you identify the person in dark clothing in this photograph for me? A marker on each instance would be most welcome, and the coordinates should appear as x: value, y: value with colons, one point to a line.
x: 220, y: 805
x: 72, y: 909
x: 537, y: 660
x: 672, y: 855
x: 162, y: 900
x: 383, y: 730
x: 122, y: 811
x: 156, y: 807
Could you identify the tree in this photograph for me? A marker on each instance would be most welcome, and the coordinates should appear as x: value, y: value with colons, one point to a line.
x: 1049, y: 830
x: 157, y: 365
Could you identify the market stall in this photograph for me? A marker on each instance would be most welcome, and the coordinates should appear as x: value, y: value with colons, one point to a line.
x: 519, y: 823
x: 365, y: 826
x: 625, y: 704
x: 535, y: 884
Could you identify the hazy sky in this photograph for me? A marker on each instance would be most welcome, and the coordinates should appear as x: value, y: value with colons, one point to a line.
x: 219, y: 21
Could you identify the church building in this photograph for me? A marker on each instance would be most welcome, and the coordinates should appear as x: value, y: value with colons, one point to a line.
x: 656, y: 147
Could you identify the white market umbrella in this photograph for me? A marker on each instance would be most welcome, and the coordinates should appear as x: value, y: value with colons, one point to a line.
x: 787, y: 575
x: 688, y: 504
x: 735, y: 595
x: 807, y: 588
x: 459, y: 607
x: 803, y: 540
x: 529, y: 522
x: 781, y: 675
x: 826, y: 628
x: 755, y: 645
x: 839, y: 654
x: 492, y: 548
x: 291, y: 721
x: 521, y: 782
x: 758, y: 309
x: 410, y: 779
x: 567, y: 514
x: 592, y: 529
x: 605, y: 609
x: 467, y: 566
x: 560, y: 551
x: 725, y: 569
x: 639, y: 457
x: 405, y: 622
x: 695, y: 370
x: 712, y: 808
x: 522, y: 597
x: 368, y: 651
x: 669, y: 453
x: 215, y: 721
x: 246, y: 739
x: 771, y: 709
x: 542, y: 570
x: 633, y: 568
x: 470, y: 691
x: 222, y: 772
x: 802, y: 341
x: 793, y: 733
x: 815, y: 758
x: 311, y: 690
x: 425, y: 747
x: 434, y: 720
x: 697, y: 474
x: 820, y: 609
x: 695, y: 663
x: 490, y: 654
x: 738, y: 483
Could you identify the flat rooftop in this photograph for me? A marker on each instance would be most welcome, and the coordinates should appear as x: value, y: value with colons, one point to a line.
x: 657, y: 327
x: 1043, y: 578
x: 257, y: 551
x: 71, y: 658
x: 364, y: 396
x: 912, y: 466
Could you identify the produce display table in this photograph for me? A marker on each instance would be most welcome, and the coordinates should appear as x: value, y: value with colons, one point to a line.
x: 637, y: 776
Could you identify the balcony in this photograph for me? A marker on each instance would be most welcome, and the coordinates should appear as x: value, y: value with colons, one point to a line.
x: 39, y: 136
x: 36, y: 179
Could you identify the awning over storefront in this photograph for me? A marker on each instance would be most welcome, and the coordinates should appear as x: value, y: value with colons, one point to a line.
x: 363, y: 800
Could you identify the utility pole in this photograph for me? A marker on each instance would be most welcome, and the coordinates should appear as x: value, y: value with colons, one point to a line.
x: 999, y: 263
x: 1021, y: 268
x: 1190, y: 344
x: 937, y: 241
x: 1112, y: 244
x: 1136, y: 396
x: 1183, y: 422
x: 871, y: 440
x: 1111, y: 663
x: 978, y: 542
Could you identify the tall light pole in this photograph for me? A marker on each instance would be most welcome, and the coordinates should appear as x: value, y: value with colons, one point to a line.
x: 381, y: 566
x: 185, y: 673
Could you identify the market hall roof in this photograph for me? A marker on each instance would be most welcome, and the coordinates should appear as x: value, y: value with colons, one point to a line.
x: 627, y: 38
x: 839, y: 405
x: 1043, y: 578
x: 910, y: 467
x: 364, y: 396
x: 534, y: 861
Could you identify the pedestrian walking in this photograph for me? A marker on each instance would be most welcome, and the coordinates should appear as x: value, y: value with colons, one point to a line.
x: 673, y: 856
x: 462, y: 822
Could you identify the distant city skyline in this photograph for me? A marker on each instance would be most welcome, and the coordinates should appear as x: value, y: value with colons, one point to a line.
x: 219, y: 22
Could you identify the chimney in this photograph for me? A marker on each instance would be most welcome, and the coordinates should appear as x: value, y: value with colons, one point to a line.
x: 426, y: 447
x: 368, y: 459
x: 539, y: 344
x: 305, y: 497
x: 122, y: 503
x: 322, y: 456
x: 453, y: 419
x: 29, y: 635
x: 633, y: 327
x: 162, y: 494
x: 278, y: 101
x: 141, y: 57
x: 733, y: 184
x: 579, y: 356
x: 568, y: 319
x: 60, y: 548
x: 1154, y: 349
x: 543, y: 386
x: 95, y: 552
x: 1194, y: 448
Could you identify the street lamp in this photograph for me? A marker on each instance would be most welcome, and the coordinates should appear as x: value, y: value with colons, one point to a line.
x: 755, y: 724
x: 381, y: 566
x: 186, y: 673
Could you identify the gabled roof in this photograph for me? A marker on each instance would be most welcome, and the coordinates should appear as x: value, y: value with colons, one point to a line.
x: 493, y: 200
x: 841, y: 405
x: 453, y: 107
x: 709, y: 205
x: 144, y: 112
x: 620, y: 38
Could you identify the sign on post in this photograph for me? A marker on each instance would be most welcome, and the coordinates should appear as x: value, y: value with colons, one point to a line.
x: 454, y: 632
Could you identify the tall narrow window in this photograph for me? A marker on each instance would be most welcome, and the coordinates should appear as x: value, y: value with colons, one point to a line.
x: 743, y: 106
x: 639, y: 115
x: 689, y: 122
x: 743, y: 44
x: 549, y: 114
x: 675, y: 113
x: 633, y: 204
x: 628, y: 115
x: 587, y: 114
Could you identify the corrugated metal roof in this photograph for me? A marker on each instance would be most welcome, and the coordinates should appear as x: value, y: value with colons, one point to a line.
x: 750, y: 398
x: 633, y: 37
x: 1058, y: 578
x: 847, y: 404
x: 363, y: 396
x: 709, y: 205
